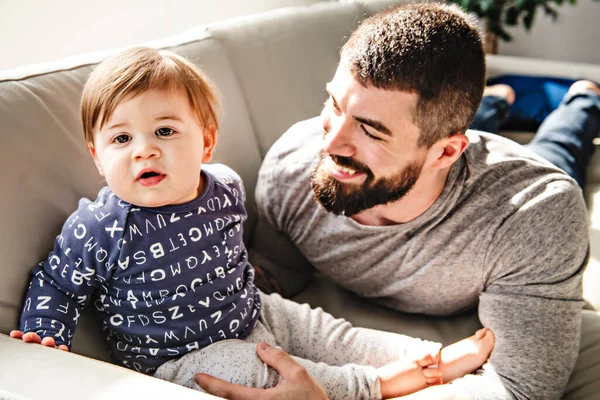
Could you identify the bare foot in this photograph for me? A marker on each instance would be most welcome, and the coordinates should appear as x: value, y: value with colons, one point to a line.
x: 403, y: 377
x: 500, y: 90
x: 467, y: 355
x: 582, y: 86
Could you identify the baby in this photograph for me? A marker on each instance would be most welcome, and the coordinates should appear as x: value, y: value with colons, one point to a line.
x: 160, y: 256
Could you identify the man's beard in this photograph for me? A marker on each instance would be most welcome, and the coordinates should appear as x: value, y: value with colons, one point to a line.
x: 350, y: 199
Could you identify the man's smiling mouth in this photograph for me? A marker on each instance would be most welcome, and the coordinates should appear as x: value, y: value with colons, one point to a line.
x: 343, y: 169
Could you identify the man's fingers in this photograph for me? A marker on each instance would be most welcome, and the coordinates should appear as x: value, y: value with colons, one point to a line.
x: 32, y: 337
x: 63, y: 347
x: 228, y: 390
x: 278, y: 359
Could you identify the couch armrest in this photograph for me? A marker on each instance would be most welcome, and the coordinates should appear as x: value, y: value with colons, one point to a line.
x: 35, y: 372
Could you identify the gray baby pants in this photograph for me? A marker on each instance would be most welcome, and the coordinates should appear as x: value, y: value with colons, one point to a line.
x: 343, y: 359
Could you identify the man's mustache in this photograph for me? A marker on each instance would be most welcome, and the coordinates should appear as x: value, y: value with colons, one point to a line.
x: 349, y: 162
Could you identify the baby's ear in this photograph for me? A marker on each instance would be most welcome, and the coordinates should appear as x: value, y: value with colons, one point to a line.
x: 92, y: 151
x: 210, y: 141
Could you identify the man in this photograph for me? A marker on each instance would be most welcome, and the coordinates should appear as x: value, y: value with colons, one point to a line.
x: 420, y: 216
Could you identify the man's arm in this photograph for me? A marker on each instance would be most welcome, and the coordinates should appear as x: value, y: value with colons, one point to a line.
x: 532, y: 299
x: 280, y: 266
x: 283, y: 197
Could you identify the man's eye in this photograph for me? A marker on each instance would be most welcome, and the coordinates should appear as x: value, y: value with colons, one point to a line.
x: 164, y: 132
x: 122, y: 139
x: 368, y: 134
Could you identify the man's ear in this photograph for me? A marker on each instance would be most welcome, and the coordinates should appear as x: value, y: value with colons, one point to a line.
x: 92, y: 151
x: 447, y: 150
x: 210, y: 140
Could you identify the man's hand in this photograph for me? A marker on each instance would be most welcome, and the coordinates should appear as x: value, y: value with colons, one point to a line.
x: 296, y: 382
x: 32, y: 337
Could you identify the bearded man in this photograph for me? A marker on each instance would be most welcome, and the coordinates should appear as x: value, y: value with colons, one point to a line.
x: 389, y: 196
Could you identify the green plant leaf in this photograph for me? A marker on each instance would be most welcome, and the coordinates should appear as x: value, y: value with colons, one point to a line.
x: 528, y: 19
x: 550, y: 11
x: 511, y: 16
x: 502, y: 13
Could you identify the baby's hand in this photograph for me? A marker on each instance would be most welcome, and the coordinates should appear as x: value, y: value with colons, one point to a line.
x: 32, y: 337
x: 404, y: 377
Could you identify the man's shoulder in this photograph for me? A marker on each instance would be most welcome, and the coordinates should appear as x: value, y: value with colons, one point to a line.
x: 293, y: 157
x: 299, y: 145
x: 283, y: 184
x: 492, y: 157
x: 493, y: 148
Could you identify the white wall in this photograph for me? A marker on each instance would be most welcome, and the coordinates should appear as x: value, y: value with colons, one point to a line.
x: 575, y: 36
x: 33, y: 31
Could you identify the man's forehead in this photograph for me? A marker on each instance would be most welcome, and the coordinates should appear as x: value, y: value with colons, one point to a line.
x: 345, y: 79
x: 346, y: 89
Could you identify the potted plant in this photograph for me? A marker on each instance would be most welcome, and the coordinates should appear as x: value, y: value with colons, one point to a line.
x: 496, y: 14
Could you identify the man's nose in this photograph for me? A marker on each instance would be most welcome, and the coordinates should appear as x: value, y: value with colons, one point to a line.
x: 338, y: 137
x: 145, y: 148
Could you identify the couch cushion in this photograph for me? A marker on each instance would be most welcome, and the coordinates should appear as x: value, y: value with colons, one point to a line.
x: 283, y: 60
x: 47, y: 167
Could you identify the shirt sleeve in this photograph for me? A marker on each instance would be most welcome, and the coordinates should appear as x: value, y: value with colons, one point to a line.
x: 64, y: 282
x: 533, y: 296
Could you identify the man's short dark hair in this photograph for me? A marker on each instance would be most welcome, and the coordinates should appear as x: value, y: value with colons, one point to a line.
x: 431, y: 49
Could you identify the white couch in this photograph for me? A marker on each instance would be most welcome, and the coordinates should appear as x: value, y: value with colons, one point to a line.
x: 271, y: 70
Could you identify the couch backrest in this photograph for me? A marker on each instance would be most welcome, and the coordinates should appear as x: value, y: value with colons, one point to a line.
x: 283, y: 60
x: 271, y: 71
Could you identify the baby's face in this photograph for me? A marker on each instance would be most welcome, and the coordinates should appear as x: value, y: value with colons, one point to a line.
x: 151, y: 149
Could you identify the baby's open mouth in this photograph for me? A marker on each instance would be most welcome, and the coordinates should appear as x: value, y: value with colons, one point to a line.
x: 149, y: 174
x: 150, y: 178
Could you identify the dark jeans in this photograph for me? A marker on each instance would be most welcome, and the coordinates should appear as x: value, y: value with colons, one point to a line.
x: 566, y: 136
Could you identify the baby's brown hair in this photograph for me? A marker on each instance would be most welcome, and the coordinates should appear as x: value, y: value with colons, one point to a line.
x: 138, y: 70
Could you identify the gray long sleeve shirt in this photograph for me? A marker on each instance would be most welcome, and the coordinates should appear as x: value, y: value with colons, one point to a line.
x: 508, y: 234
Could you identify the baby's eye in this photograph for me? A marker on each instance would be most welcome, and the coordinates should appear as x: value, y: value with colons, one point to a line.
x: 122, y: 139
x: 164, y: 132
